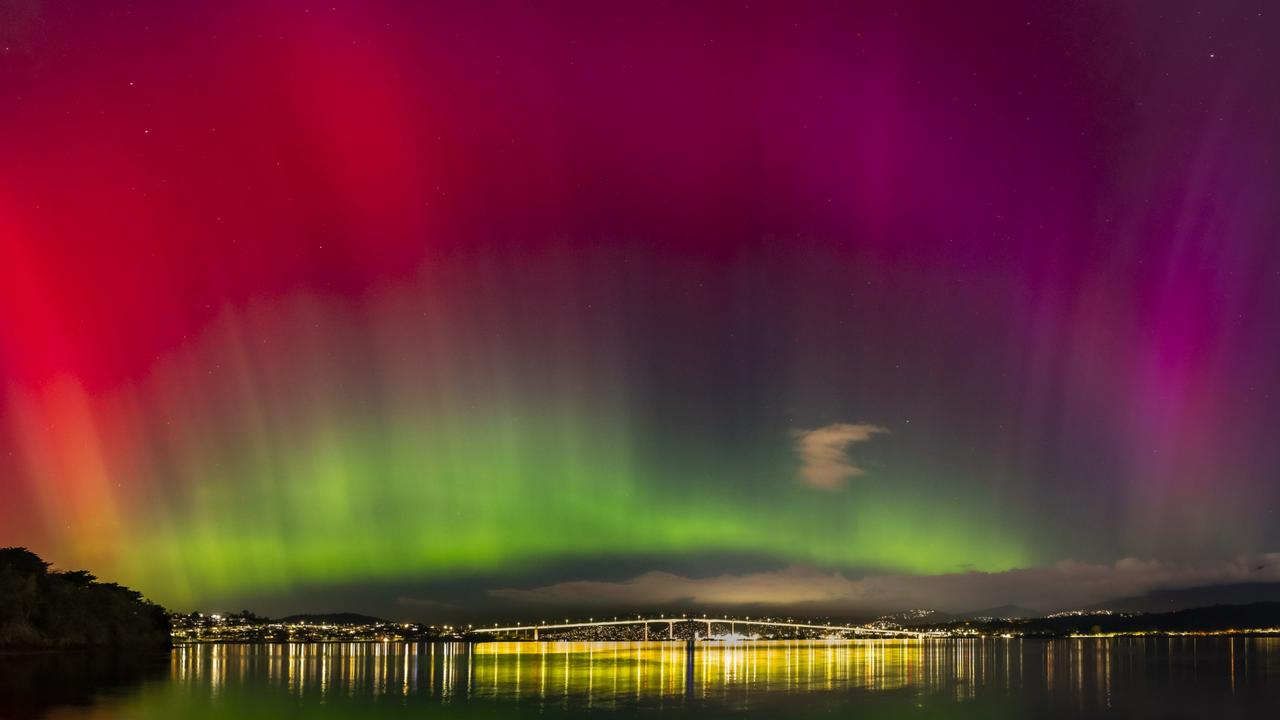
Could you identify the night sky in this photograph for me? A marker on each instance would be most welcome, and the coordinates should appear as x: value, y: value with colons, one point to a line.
x: 428, y: 309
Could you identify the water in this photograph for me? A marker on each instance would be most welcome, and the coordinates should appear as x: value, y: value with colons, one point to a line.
x: 1155, y: 678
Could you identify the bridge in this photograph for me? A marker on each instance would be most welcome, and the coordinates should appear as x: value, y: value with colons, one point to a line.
x: 671, y: 622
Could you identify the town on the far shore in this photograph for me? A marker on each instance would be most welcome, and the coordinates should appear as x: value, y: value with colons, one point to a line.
x: 1256, y: 619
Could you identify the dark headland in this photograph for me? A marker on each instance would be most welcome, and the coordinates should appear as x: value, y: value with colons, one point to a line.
x: 41, y: 608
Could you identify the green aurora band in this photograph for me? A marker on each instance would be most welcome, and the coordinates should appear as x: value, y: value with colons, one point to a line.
x: 301, y: 443
x: 475, y: 498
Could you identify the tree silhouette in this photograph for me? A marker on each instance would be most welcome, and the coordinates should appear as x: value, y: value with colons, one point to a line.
x: 40, y: 607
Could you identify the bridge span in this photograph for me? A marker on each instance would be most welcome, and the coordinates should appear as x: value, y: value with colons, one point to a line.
x: 670, y: 623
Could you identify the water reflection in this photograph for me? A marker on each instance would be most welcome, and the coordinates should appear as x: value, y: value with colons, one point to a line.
x: 1084, y: 673
x: 32, y: 684
x: 943, y: 678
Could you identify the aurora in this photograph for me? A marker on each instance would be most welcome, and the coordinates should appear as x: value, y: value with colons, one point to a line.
x: 386, y: 301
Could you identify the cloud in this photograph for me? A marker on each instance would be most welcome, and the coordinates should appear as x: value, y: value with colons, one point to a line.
x: 1068, y: 584
x: 824, y: 453
x: 794, y: 585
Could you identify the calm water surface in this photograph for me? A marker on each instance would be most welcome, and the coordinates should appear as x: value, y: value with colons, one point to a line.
x: 1156, y: 678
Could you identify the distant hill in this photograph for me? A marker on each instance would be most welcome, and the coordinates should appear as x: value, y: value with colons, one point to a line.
x: 1195, y: 597
x: 1003, y: 611
x: 334, y: 619
x: 43, y: 608
x: 906, y: 618
x: 1253, y: 616
x: 926, y: 617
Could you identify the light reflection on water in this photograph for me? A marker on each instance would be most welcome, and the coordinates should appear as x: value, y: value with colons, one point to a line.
x: 937, y: 678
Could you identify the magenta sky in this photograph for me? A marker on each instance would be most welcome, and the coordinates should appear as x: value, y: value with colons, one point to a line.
x: 1016, y: 260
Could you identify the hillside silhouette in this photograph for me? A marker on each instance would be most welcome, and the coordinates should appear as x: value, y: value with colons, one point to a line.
x: 44, y: 608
